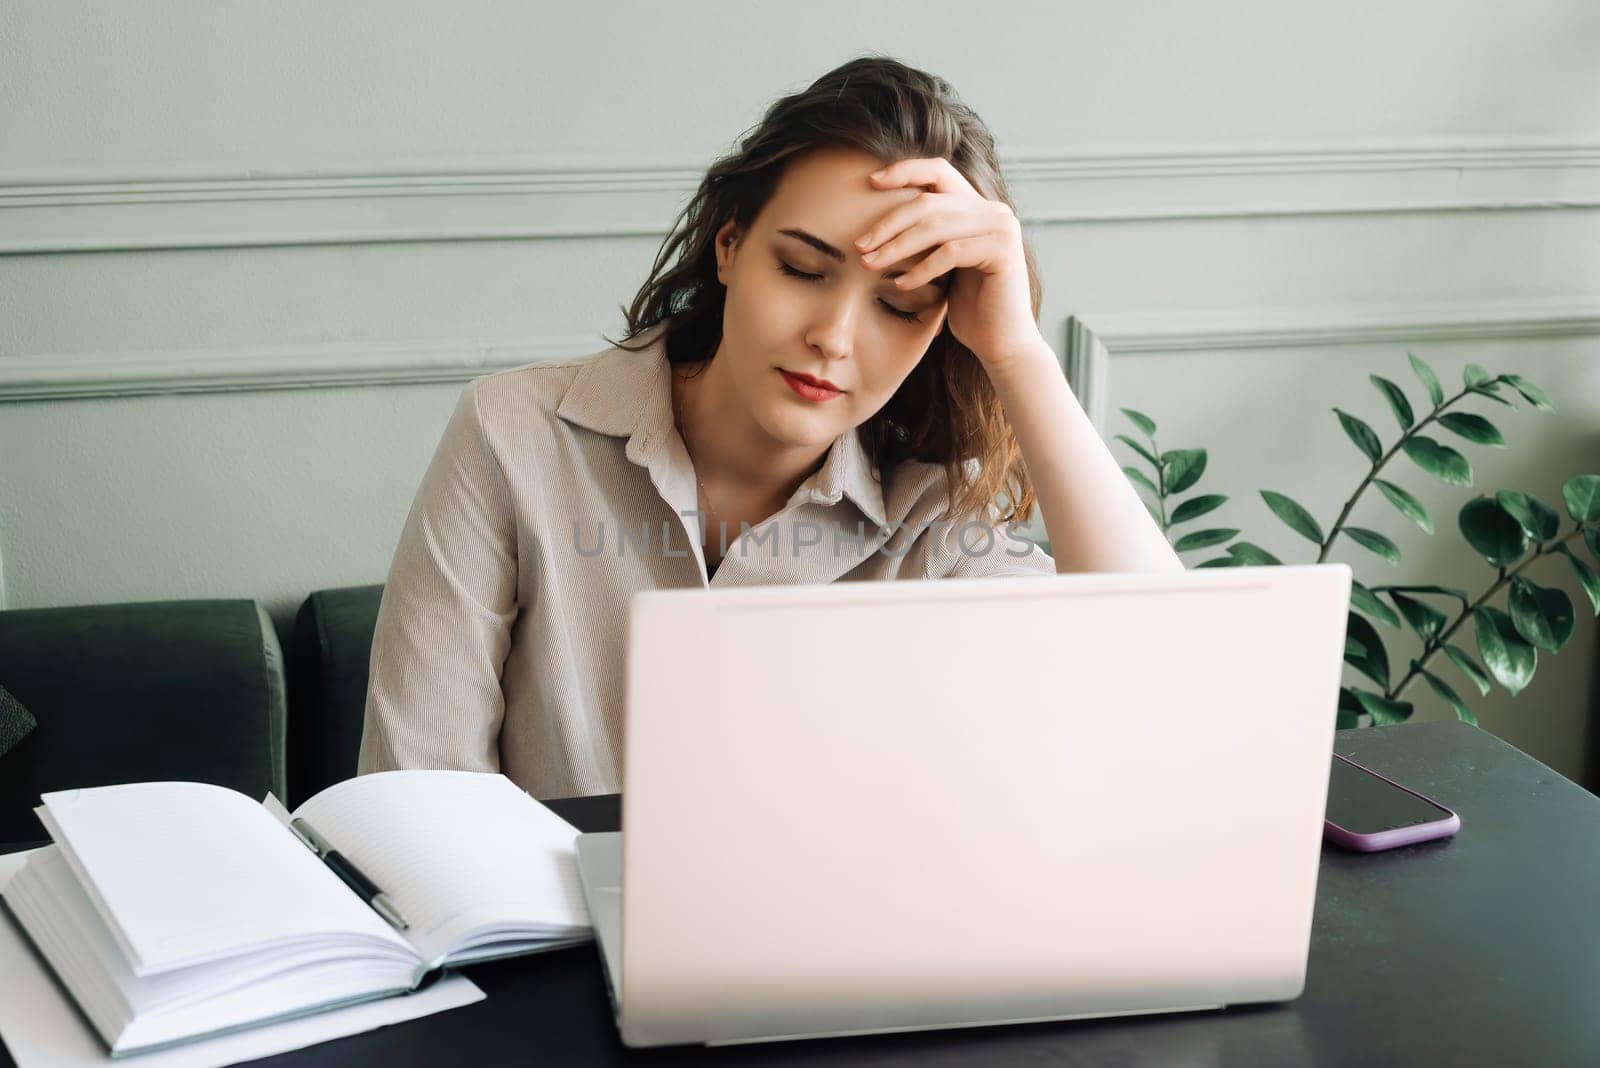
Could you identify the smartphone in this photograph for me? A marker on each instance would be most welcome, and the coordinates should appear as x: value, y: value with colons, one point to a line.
x: 1367, y: 812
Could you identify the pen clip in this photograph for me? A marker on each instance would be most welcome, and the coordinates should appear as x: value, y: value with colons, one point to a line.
x: 314, y: 841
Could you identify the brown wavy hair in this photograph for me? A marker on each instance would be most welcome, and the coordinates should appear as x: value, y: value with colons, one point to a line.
x: 946, y: 411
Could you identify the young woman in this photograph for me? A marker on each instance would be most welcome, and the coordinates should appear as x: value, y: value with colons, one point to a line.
x: 834, y: 372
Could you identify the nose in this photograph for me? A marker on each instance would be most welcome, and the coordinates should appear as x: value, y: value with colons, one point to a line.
x: 830, y: 333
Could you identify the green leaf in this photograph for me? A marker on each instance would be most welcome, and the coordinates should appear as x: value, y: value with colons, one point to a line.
x: 1469, y: 667
x: 1582, y: 494
x: 1441, y: 461
x: 1586, y: 575
x: 1251, y: 555
x: 1532, y: 393
x: 1371, y: 539
x: 1184, y: 468
x: 1409, y: 506
x: 1140, y: 449
x: 1483, y: 383
x: 1364, y: 436
x: 1510, y: 660
x: 1493, y: 531
x: 1541, y: 521
x: 1349, y: 710
x: 1473, y: 427
x: 1354, y: 648
x: 1367, y: 601
x: 1382, y: 710
x: 1290, y: 512
x: 1448, y: 591
x: 1141, y: 478
x: 1429, y: 380
x: 1541, y: 614
x: 1202, y: 539
x: 1374, y: 662
x: 1219, y: 561
x: 1591, y: 538
x: 1397, y: 400
x: 1195, y: 507
x: 1463, y: 713
x: 1140, y: 420
x: 1425, y: 619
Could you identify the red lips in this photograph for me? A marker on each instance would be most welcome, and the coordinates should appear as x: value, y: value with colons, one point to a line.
x: 820, y: 383
x: 817, y: 390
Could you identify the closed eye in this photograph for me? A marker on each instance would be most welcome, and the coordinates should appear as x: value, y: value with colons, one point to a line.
x: 904, y: 316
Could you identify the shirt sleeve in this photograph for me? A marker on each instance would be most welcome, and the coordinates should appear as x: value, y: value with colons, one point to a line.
x: 445, y: 617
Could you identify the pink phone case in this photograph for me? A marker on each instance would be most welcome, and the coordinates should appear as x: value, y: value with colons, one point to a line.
x: 1443, y: 827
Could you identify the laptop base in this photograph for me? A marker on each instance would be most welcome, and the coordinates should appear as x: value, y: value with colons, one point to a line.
x: 600, y: 867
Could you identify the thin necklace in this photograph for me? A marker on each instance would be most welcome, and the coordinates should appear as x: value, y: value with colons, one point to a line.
x: 677, y: 421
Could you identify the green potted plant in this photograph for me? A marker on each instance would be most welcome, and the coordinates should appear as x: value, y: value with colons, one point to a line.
x: 1509, y: 529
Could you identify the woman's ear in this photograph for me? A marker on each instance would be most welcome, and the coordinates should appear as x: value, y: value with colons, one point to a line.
x: 727, y: 238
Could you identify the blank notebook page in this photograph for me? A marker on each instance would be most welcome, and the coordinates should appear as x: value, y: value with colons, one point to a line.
x: 457, y: 852
x: 191, y: 872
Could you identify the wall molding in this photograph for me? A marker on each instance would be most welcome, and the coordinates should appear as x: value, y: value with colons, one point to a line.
x: 1092, y: 340
x: 70, y: 376
x: 519, y: 198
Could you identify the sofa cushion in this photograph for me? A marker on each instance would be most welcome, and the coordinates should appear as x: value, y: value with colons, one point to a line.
x: 330, y: 651
x: 141, y: 692
x: 15, y: 721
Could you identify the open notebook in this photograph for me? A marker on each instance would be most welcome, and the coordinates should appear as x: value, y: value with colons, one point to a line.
x: 175, y: 910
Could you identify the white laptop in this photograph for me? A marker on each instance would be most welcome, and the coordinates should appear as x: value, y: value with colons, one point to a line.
x: 891, y: 806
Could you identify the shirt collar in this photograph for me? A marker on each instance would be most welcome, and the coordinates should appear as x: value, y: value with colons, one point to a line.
x: 629, y: 393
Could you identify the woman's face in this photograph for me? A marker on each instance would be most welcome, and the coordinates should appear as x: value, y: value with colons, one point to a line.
x: 794, y: 308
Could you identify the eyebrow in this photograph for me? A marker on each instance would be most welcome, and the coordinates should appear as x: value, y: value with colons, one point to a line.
x: 942, y: 282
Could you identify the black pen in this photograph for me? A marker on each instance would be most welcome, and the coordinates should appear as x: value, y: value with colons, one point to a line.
x: 352, y: 875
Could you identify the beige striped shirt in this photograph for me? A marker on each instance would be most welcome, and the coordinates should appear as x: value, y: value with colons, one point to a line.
x: 558, y: 490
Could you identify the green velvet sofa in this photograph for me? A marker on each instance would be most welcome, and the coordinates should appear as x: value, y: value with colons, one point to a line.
x: 197, y: 690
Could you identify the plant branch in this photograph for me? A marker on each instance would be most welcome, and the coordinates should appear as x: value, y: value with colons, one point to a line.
x: 1349, y: 505
x: 1161, y: 483
x: 1434, y: 644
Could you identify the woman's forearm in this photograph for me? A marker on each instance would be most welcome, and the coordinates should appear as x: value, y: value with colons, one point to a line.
x: 1092, y: 514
